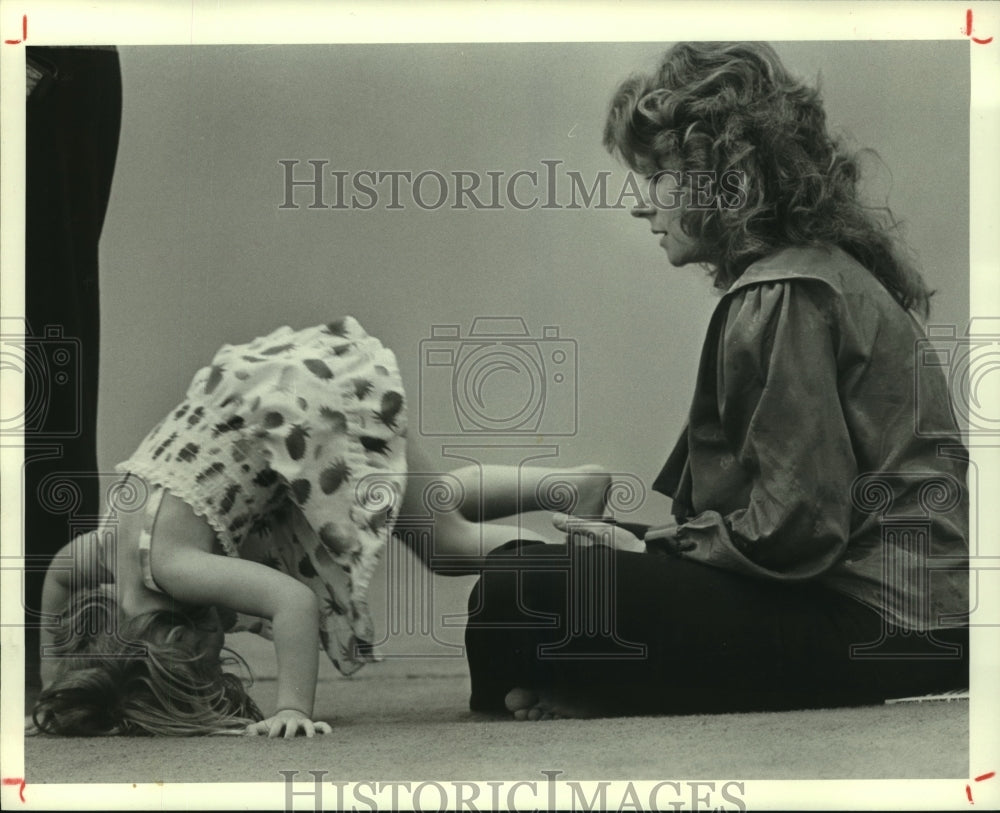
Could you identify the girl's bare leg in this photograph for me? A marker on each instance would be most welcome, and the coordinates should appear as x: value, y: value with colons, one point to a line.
x: 501, y: 491
x: 490, y: 492
x: 455, y: 535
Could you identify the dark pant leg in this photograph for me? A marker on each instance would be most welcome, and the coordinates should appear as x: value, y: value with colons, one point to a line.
x: 73, y: 119
x: 639, y: 633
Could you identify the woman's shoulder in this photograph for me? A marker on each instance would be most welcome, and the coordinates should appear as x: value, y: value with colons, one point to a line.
x: 827, y: 280
x: 815, y: 289
x: 831, y: 267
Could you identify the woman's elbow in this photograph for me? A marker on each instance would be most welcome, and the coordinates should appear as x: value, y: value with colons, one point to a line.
x: 800, y: 549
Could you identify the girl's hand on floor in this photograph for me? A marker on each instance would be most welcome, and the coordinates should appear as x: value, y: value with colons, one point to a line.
x: 287, y: 723
x: 591, y: 532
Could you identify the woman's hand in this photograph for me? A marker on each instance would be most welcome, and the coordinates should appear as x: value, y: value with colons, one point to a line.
x: 589, y: 531
x: 287, y: 723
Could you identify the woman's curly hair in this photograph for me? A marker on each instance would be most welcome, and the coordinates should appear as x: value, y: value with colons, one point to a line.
x: 725, y: 107
x: 140, y: 677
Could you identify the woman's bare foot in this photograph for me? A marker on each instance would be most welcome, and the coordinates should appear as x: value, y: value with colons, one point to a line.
x: 581, y: 491
x: 526, y: 704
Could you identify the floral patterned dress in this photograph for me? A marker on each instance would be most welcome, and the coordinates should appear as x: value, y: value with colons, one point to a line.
x: 293, y: 448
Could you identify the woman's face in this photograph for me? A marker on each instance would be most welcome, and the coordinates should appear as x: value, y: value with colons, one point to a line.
x: 664, y: 205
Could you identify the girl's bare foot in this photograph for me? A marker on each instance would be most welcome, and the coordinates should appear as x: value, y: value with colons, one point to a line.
x: 581, y: 491
x: 526, y: 704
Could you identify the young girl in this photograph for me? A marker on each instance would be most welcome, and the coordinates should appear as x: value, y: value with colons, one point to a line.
x: 266, y: 499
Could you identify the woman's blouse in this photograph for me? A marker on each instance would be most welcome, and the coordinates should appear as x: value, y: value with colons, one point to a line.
x: 821, y: 444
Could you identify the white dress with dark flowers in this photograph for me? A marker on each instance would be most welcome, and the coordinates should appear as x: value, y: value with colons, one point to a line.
x: 292, y: 447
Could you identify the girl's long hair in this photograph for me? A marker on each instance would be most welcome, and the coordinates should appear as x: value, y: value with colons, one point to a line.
x: 140, y: 677
x: 734, y: 108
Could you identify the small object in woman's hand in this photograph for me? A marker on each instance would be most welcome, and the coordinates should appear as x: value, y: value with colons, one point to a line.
x: 605, y: 532
x: 664, y: 541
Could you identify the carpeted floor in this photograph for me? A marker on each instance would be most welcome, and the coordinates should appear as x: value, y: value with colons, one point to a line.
x: 408, y: 718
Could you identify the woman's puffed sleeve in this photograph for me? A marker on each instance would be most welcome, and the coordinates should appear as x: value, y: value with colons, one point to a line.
x: 783, y: 425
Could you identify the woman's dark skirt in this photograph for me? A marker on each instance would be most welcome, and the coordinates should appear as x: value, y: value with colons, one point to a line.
x: 630, y: 633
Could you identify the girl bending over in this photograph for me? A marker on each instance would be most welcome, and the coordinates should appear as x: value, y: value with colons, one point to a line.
x: 266, y: 498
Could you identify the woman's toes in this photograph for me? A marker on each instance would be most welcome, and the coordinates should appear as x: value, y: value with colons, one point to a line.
x: 525, y: 704
x: 519, y: 699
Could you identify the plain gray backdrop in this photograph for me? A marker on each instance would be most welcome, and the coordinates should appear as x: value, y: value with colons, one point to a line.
x: 197, y: 252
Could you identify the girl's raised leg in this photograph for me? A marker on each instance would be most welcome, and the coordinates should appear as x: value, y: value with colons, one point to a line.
x: 488, y: 492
